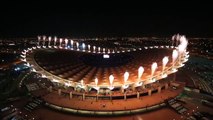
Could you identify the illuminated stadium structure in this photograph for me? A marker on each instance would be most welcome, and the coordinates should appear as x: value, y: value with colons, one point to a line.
x: 93, y: 70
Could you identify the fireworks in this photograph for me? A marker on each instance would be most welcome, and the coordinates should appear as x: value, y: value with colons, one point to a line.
x: 111, y: 79
x: 165, y: 61
x: 154, y: 67
x: 140, y: 72
x: 126, y: 76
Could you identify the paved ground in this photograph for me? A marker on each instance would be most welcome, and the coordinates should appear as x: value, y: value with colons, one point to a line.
x: 133, y: 103
x: 162, y: 114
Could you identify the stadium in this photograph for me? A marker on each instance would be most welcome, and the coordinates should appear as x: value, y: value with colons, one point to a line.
x: 80, y: 72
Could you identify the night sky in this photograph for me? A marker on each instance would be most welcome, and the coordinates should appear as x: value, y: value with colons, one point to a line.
x: 193, y: 19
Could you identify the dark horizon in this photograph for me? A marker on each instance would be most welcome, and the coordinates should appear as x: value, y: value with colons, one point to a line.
x: 192, y: 20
